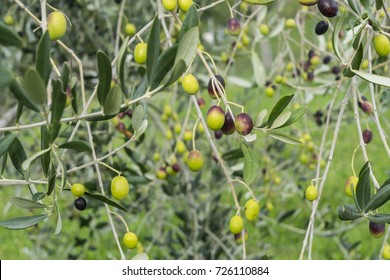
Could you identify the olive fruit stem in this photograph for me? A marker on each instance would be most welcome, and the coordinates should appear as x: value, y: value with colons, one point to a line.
x: 212, y: 61
x: 230, y: 8
x: 353, y: 160
x: 237, y: 105
x: 120, y: 218
x: 194, y: 132
x: 111, y: 168
x: 246, y: 186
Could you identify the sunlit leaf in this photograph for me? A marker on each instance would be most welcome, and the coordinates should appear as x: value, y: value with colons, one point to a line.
x: 8, y: 37
x: 21, y: 95
x: 153, y: 48
x: 23, y: 222
x: 27, y: 203
x: 363, y: 186
x: 188, y: 46
x: 113, y: 101
x: 191, y: 20
x: 105, y: 76
x: 78, y: 146
x: 164, y: 65
x: 106, y: 200
x: 42, y: 64
x: 251, y: 164
x: 17, y: 154
x: 284, y: 138
x: 35, y: 86
x: 5, y: 143
x: 380, y: 198
x: 279, y: 108
x: 348, y: 212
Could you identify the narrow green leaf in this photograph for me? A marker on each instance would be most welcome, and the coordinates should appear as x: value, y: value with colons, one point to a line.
x: 261, y: 117
x: 78, y: 146
x: 380, y: 218
x: 35, y: 86
x: 358, y: 35
x: 258, y: 69
x: 6, y: 142
x: 45, y: 158
x: 8, y: 37
x: 65, y: 74
x: 232, y: 155
x: 178, y: 69
x: 295, y: 116
x: 141, y: 88
x: 259, y: 2
x: 373, y: 78
x: 106, y: 200
x: 26, y: 164
x: 63, y: 169
x: 363, y: 186
x: 17, y: 154
x: 138, y: 116
x: 251, y: 164
x: 379, y: 4
x: 23, y: 222
x: 191, y: 20
x: 380, y: 198
x: 284, y: 138
x: 105, y: 76
x: 57, y: 108
x: 42, y: 64
x: 367, y: 4
x: 142, y: 128
x: 281, y: 120
x: 335, y: 36
x: 38, y: 196
x: 51, y: 179
x: 164, y: 65
x: 356, y: 61
x: 120, y: 64
x: 278, y: 108
x: 5, y: 78
x: 188, y: 46
x: 153, y: 48
x: 21, y: 95
x: 113, y: 101
x: 3, y: 164
x: 354, y: 6
x: 59, y: 221
x: 27, y: 203
x: 348, y: 212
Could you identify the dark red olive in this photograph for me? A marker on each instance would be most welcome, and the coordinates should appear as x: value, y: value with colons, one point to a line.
x: 212, y: 86
x: 228, y: 127
x: 367, y: 136
x: 321, y: 27
x: 376, y: 229
x: 328, y: 8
